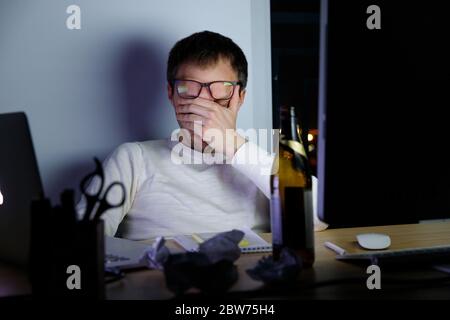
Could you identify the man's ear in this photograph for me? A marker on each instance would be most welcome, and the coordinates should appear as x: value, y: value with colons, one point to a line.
x: 169, y: 91
x: 241, y: 97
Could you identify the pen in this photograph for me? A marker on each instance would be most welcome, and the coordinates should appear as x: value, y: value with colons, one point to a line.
x: 197, y: 238
x: 244, y: 243
x: 335, y: 248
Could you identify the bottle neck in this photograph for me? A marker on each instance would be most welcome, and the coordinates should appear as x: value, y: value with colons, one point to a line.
x: 290, y: 137
x: 289, y: 125
x: 290, y: 129
x: 294, y: 127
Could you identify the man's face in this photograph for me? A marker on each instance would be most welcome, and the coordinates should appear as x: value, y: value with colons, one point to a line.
x: 221, y: 71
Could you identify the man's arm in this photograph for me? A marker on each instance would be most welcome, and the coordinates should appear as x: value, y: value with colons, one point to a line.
x: 256, y: 164
x: 123, y: 165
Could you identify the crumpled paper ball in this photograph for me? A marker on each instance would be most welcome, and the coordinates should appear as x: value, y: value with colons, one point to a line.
x: 211, y: 269
x: 284, y: 270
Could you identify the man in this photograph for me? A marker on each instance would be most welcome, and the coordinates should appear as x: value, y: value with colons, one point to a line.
x: 207, y: 177
x: 206, y: 80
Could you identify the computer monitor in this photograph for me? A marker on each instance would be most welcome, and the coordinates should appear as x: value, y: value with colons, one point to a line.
x: 20, y: 183
x: 383, y: 101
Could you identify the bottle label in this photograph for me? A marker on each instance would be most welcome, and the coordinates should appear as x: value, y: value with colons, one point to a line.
x: 296, y: 146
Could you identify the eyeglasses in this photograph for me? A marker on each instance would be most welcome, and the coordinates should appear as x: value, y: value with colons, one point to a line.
x: 219, y: 90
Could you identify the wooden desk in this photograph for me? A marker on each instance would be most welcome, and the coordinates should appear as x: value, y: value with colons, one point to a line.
x: 150, y: 284
x: 328, y: 279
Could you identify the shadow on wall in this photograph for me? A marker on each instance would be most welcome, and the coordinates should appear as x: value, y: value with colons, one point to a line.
x: 144, y: 110
x: 69, y: 177
x: 143, y: 81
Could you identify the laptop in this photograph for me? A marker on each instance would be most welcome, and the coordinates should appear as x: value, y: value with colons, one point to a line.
x: 20, y: 183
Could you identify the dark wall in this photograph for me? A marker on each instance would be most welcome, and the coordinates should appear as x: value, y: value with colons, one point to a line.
x: 295, y: 62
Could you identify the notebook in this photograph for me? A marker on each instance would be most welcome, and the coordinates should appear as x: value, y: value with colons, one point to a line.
x: 251, y: 243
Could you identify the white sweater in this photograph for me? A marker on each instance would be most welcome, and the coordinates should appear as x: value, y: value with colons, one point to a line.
x: 164, y: 198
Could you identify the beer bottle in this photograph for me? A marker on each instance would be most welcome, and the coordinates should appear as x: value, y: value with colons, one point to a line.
x: 291, y: 193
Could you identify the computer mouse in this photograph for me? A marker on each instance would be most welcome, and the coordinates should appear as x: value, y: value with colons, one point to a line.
x: 374, y: 241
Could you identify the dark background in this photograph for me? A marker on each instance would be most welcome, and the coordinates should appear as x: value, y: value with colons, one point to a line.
x: 295, y: 62
x: 387, y: 99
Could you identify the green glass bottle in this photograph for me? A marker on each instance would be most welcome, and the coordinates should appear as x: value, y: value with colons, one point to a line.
x: 291, y: 193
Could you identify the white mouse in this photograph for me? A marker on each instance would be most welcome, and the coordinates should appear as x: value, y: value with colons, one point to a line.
x: 374, y: 241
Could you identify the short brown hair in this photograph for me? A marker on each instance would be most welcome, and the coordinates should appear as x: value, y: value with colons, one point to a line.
x: 204, y: 48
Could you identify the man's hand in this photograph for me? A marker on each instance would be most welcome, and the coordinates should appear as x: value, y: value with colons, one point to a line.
x: 217, y: 122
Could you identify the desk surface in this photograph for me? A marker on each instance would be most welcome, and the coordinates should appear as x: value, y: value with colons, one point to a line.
x: 328, y: 279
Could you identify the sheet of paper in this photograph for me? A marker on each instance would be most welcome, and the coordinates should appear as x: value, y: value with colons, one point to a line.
x: 251, y: 242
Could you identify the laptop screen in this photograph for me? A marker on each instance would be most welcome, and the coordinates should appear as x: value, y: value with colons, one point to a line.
x: 20, y: 183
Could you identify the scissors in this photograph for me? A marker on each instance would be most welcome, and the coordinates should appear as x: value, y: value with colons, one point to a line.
x: 93, y: 199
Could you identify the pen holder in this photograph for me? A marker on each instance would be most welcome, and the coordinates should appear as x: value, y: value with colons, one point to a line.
x: 67, y: 256
x: 88, y: 260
